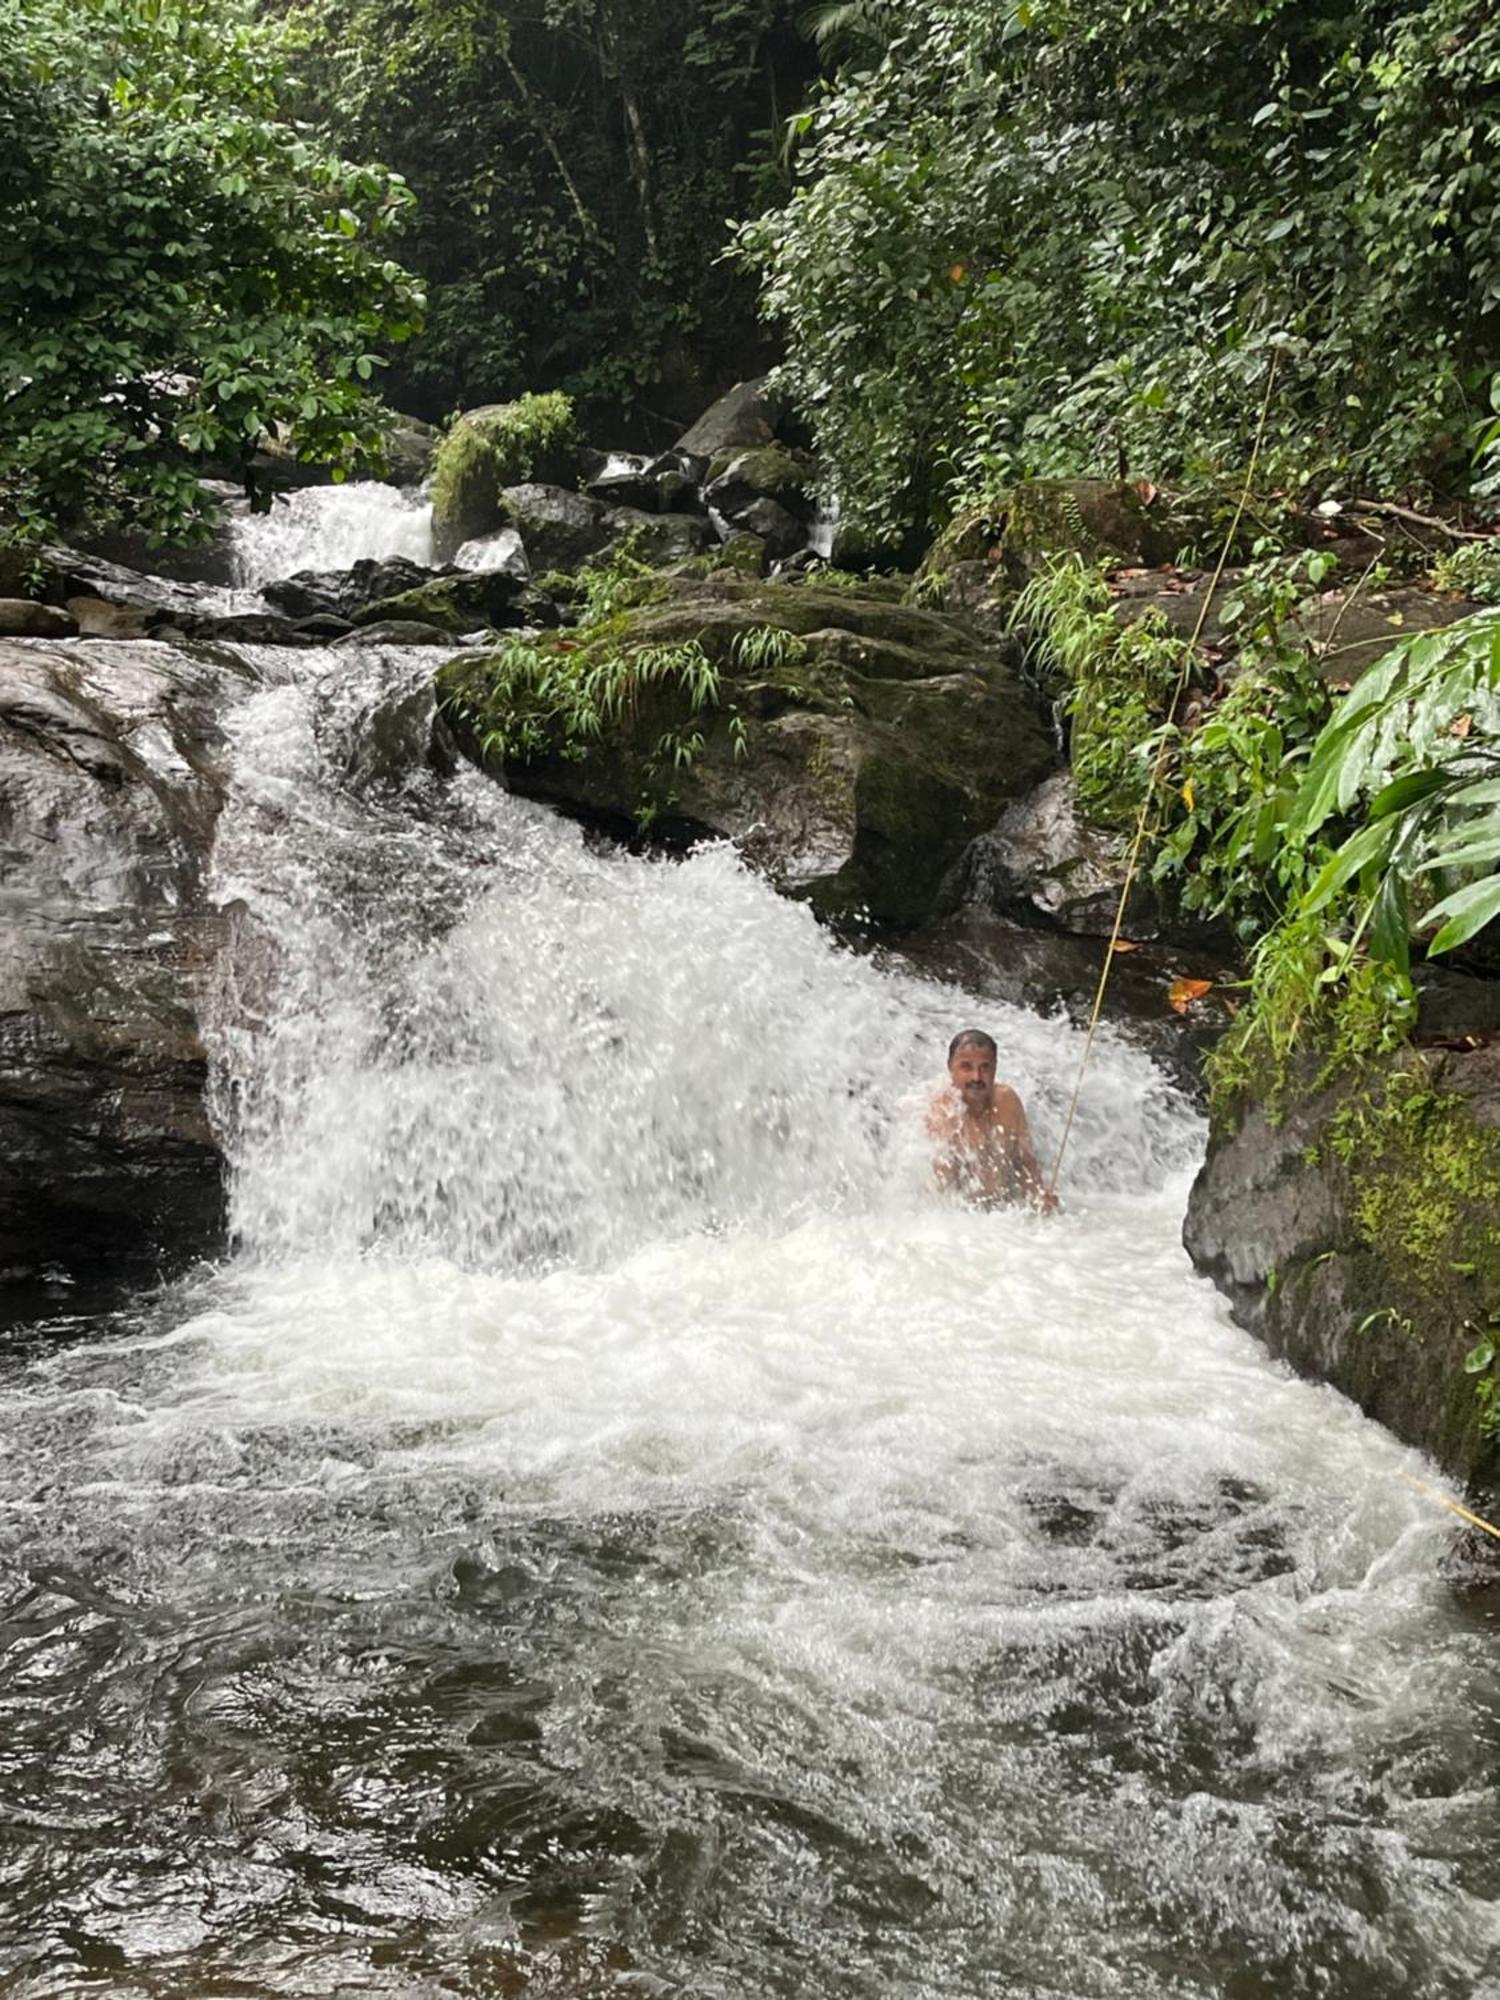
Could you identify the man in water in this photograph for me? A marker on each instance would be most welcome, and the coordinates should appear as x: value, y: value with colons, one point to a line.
x: 983, y: 1149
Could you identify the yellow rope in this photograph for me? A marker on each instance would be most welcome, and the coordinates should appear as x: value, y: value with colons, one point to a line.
x: 1474, y: 1520
x: 1149, y: 800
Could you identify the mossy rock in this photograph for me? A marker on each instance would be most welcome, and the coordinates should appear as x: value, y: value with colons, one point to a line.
x: 1359, y: 1237
x: 737, y: 479
x: 852, y: 758
x: 488, y: 449
x: 458, y: 603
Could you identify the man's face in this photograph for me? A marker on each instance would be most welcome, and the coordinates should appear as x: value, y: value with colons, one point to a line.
x: 972, y: 1072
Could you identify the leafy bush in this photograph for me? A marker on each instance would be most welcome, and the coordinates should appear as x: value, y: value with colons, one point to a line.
x: 1115, y: 682
x: 1023, y: 243
x: 182, y: 271
x: 1409, y: 768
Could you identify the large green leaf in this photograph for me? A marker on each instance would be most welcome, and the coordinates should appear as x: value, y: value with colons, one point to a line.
x: 1466, y: 911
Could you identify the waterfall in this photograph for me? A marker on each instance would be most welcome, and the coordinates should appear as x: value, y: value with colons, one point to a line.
x: 611, y: 1528
x: 328, y: 528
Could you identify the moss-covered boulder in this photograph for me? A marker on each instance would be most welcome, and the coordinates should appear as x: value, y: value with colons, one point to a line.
x: 462, y: 601
x: 489, y: 449
x: 1359, y: 1237
x: 850, y: 746
x: 772, y: 472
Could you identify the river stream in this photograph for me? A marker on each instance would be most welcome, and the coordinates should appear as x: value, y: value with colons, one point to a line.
x: 608, y: 1529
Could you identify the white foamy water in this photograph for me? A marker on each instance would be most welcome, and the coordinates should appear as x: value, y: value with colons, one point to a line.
x: 330, y: 528
x: 611, y: 1530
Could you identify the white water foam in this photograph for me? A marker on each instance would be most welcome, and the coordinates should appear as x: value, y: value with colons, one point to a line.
x: 331, y: 528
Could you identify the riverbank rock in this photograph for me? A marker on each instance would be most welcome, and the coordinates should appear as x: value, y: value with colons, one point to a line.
x: 110, y: 786
x: 1044, y: 864
x: 851, y: 749
x: 1359, y: 1238
x: 489, y: 449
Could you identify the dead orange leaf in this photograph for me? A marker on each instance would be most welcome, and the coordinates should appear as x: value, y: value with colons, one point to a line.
x: 1124, y: 944
x: 1462, y: 725
x: 1183, y: 992
x: 958, y: 272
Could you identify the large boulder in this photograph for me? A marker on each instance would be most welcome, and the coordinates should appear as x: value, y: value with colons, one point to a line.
x: 1355, y: 1229
x: 459, y: 601
x: 342, y: 592
x: 854, y: 748
x: 738, y: 479
x: 658, y: 539
x: 111, y: 778
x: 560, y: 530
x: 1044, y: 863
x: 410, y: 449
x: 746, y: 416
x: 489, y: 449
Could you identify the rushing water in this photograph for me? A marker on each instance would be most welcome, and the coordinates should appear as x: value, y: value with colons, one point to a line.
x: 331, y: 527
x: 609, y: 1530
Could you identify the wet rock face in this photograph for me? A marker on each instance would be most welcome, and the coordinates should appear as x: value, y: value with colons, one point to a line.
x: 110, y: 785
x: 856, y: 746
x: 1358, y: 1236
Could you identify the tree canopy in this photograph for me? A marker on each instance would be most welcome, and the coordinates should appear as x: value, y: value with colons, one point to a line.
x: 576, y: 162
x: 183, y: 270
x: 1058, y: 237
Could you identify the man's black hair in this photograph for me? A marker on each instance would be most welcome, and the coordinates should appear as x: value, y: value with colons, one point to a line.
x: 972, y: 1038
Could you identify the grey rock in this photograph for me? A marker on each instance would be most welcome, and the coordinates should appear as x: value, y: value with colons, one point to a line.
x: 342, y: 592
x: 560, y: 529
x: 747, y: 415
x: 782, y: 533
x: 1042, y: 864
x: 20, y: 618
x: 1274, y: 1219
x: 111, y: 778
x: 503, y: 551
x: 410, y: 447
x: 659, y: 539
x: 396, y: 632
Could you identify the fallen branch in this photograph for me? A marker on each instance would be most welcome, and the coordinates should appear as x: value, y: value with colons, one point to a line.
x: 1389, y: 507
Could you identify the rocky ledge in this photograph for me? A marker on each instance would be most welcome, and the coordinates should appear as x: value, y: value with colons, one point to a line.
x: 110, y: 786
x: 851, y: 745
x: 1358, y: 1236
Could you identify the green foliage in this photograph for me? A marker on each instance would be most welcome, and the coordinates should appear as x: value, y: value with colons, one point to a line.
x: 1410, y: 762
x: 1472, y: 569
x: 1024, y: 243
x: 1314, y: 1010
x: 182, y: 270
x: 1224, y: 849
x: 535, y: 697
x: 1415, y: 749
x: 574, y: 166
x: 1116, y: 682
x: 1425, y: 1188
